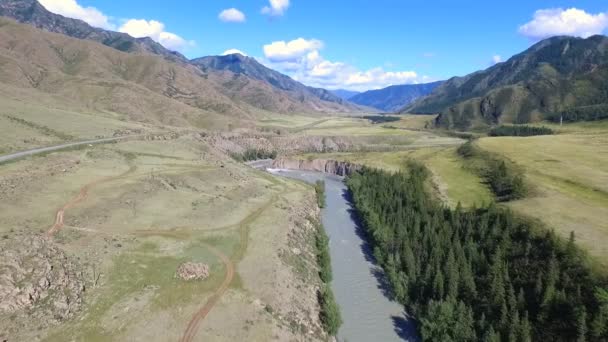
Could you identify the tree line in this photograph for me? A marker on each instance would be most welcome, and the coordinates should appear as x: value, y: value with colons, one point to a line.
x: 330, y: 311
x: 506, y: 181
x: 586, y: 113
x: 253, y: 154
x: 519, y: 131
x: 482, y: 274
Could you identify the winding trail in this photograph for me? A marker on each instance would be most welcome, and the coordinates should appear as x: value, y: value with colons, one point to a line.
x: 200, y: 315
x: 82, y: 195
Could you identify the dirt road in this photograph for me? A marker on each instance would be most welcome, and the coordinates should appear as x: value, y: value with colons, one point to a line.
x: 21, y: 154
x: 198, y: 318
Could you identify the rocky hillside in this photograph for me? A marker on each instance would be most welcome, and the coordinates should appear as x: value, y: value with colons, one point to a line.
x: 33, y: 13
x: 81, y: 75
x: 244, y: 89
x: 248, y: 67
x: 554, y: 75
x: 394, y: 98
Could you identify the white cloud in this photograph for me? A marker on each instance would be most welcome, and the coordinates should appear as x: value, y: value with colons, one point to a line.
x: 232, y: 15
x: 71, y: 9
x: 233, y: 51
x: 557, y: 21
x: 496, y: 59
x: 276, y: 8
x: 140, y: 28
x: 282, y: 51
x: 301, y: 59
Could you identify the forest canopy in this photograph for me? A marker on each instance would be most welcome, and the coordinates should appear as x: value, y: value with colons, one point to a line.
x: 482, y: 274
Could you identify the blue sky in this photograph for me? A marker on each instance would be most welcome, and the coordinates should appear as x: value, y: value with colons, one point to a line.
x: 356, y: 44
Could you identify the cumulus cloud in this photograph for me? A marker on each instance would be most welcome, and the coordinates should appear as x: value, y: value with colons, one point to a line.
x: 140, y: 28
x: 496, y: 59
x: 276, y: 8
x: 232, y: 15
x: 302, y: 60
x: 282, y: 51
x: 71, y: 9
x: 557, y: 21
x: 233, y: 51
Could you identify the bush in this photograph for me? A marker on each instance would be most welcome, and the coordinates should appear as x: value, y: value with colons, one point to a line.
x: 254, y: 154
x: 330, y: 312
x: 320, y: 191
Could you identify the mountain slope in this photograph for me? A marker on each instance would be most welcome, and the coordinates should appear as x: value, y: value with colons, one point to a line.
x: 393, y: 98
x: 33, y: 13
x: 345, y: 94
x: 84, y: 75
x: 556, y: 74
x: 254, y: 84
x: 319, y: 99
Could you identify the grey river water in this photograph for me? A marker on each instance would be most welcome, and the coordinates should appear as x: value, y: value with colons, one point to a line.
x: 358, y: 284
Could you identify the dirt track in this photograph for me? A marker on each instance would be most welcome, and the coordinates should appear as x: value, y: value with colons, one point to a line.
x: 82, y: 195
x: 200, y: 315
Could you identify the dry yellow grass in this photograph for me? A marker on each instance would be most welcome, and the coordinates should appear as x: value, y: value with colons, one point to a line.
x: 569, y: 173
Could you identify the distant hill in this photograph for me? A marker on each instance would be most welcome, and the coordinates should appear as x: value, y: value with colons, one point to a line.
x: 559, y: 74
x: 238, y: 64
x: 393, y: 98
x: 345, y: 94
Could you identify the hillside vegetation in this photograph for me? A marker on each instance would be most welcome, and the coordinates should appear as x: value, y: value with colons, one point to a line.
x: 559, y: 74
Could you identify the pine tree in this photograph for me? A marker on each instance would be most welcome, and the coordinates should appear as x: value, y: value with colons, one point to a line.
x: 581, y: 324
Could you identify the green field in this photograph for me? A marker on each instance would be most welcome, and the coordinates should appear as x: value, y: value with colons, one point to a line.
x: 569, y: 178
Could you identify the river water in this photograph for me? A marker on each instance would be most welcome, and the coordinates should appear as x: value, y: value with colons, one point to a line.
x: 358, y: 284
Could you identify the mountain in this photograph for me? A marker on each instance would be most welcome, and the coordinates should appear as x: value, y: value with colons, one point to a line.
x: 393, y: 98
x: 345, y: 94
x: 321, y: 99
x: 251, y: 84
x: 555, y: 75
x: 33, y: 13
x: 84, y: 76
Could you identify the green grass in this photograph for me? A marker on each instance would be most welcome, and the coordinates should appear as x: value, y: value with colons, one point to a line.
x: 569, y: 177
x: 461, y: 185
x: 146, y: 268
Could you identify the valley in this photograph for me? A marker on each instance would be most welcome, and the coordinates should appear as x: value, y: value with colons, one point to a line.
x: 151, y: 194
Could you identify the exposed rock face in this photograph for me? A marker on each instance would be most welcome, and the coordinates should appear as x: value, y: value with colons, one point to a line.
x: 320, y: 165
x: 193, y: 271
x: 38, y: 282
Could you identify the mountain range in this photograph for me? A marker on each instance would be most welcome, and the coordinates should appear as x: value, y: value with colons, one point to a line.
x: 554, y: 75
x: 344, y: 93
x: 67, y: 57
x: 394, y: 98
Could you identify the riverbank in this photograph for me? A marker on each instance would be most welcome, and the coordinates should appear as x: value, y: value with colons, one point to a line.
x: 358, y: 283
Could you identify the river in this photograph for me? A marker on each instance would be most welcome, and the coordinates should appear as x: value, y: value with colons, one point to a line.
x: 358, y: 284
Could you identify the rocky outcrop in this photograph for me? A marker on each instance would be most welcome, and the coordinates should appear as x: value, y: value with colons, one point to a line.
x: 193, y: 271
x: 38, y: 283
x: 333, y: 167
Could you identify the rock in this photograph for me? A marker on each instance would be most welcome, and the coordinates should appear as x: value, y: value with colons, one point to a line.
x: 320, y: 165
x: 35, y: 271
x: 193, y: 271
